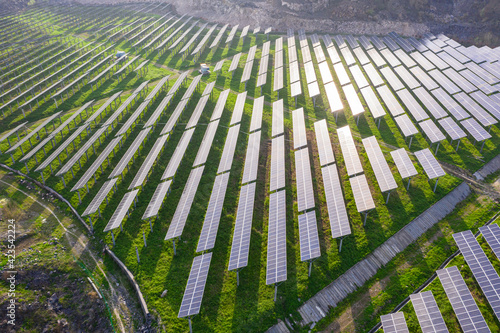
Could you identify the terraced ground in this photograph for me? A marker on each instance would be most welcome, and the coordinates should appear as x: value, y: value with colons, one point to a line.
x: 105, y: 133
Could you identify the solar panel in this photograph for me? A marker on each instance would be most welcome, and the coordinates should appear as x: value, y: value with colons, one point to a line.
x: 278, y: 79
x: 239, y: 107
x: 392, y: 79
x: 306, y: 54
x: 467, y: 312
x: 305, y: 192
x: 208, y: 88
x: 180, y: 151
x: 97, y: 163
x: 295, y: 89
x: 206, y: 143
x: 390, y: 57
x: 422, y: 61
x: 425, y: 79
x: 341, y: 74
x: 195, y: 288
x: 328, y: 41
x: 390, y: 101
x: 157, y: 88
x: 258, y: 106
x: 365, y: 42
x: 242, y: 228
x: 452, y: 129
x: 252, y: 158
x: 299, y: 129
x: 174, y: 117
x: 450, y: 104
x: 123, y: 163
x: 492, y: 235
x: 146, y: 166
x: 429, y: 163
x: 403, y: 163
x: 251, y: 53
x: 184, y: 206
x: 320, y: 55
x: 333, y: 97
x: 376, y: 58
x: 198, y: 110
x: 394, y: 323
x: 361, y: 55
x: 158, y: 112
x: 247, y: 71
x: 334, y: 55
x: 213, y: 214
x: 276, y: 239
x: 444, y: 82
x: 477, y: 112
x: 359, y: 78
x: 348, y: 147
x: 348, y: 57
x: 218, y: 37
x: 234, y: 62
x: 180, y: 80
x: 459, y: 80
x: 362, y: 194
x: 390, y: 43
x: 373, y: 102
x: 132, y: 119
x: 292, y: 54
x: 192, y: 87
x: 278, y: 59
x: 294, y: 72
x: 353, y: 100
x: 308, y: 235
x: 218, y: 65
x: 405, y: 58
x: 373, y: 75
x: 279, y: 44
x: 324, y: 70
x: 379, y: 165
x: 278, y: 122
x: 116, y: 220
x: 244, y: 32
x: 219, y: 107
x: 378, y: 43
x: 432, y: 132
x: 227, y: 157
x: 339, y: 220
x: 325, y: 150
x: 407, y: 78
x: 428, y: 314
x: 156, y: 202
x: 455, y: 64
x: 430, y: 103
x: 204, y: 40
x: 477, y: 81
x: 493, y: 107
x: 475, y: 129
x: 101, y: 108
x: 99, y: 197
x: 310, y: 72
x: 412, y: 105
x: 264, y: 64
x: 277, y: 163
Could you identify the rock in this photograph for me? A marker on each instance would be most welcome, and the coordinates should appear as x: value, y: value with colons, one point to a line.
x: 164, y: 293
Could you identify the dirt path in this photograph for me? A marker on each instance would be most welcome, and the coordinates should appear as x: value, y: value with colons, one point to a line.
x: 78, y: 242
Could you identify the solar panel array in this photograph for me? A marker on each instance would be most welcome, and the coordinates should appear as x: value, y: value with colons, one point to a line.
x: 116, y: 220
x: 403, y: 163
x: 362, y: 194
x: 379, y: 165
x: 184, y: 206
x: 429, y: 163
x: 252, y: 158
x: 325, y: 150
x: 277, y: 163
x: 227, y: 157
x: 349, y: 152
x: 305, y: 192
x: 242, y: 228
x: 176, y: 158
x: 428, y: 313
x: 239, y: 108
x: 464, y: 306
x: 99, y: 197
x: 276, y: 239
x: 195, y: 288
x: 146, y: 166
x: 492, y: 235
x: 308, y: 236
x: 481, y: 268
x: 157, y: 200
x: 337, y: 212
x: 213, y: 214
x: 394, y: 323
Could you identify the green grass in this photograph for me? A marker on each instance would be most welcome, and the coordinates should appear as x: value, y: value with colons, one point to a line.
x: 250, y: 306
